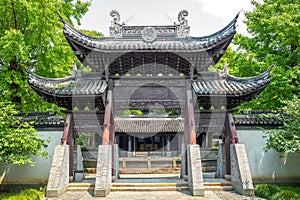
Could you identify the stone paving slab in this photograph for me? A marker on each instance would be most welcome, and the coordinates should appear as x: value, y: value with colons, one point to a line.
x: 165, y: 195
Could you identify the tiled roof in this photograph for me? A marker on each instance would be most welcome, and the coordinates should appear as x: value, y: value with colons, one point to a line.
x: 162, y: 43
x: 214, y: 84
x: 44, y: 120
x: 154, y: 125
x: 257, y: 118
x: 88, y: 84
x: 149, y: 125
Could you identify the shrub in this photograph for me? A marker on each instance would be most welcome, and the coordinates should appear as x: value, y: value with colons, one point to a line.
x: 32, y: 194
x: 27, y: 194
x: 286, y: 195
x: 266, y: 190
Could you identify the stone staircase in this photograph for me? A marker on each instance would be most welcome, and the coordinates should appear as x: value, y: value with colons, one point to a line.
x: 156, y: 185
x: 88, y: 184
x: 218, y: 185
x: 167, y: 180
x: 144, y: 187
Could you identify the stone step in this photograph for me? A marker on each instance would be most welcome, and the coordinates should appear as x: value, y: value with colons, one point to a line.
x: 144, y: 189
x: 213, y: 184
x: 90, y: 176
x: 122, y: 185
x: 81, y: 187
x: 81, y: 184
x: 218, y: 188
x: 208, y: 162
x: 209, y: 169
x: 90, y: 170
x: 89, y: 163
x: 150, y: 171
x: 208, y: 186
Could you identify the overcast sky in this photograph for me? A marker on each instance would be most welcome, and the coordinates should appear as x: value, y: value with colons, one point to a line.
x: 205, y: 16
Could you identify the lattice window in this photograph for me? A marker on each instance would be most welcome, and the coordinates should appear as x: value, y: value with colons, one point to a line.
x: 150, y: 64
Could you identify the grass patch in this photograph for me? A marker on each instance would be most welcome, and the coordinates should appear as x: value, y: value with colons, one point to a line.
x: 286, y: 195
x: 290, y: 188
x: 27, y: 194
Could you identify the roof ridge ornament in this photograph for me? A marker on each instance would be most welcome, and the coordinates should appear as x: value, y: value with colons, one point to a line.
x: 116, y: 26
x: 224, y: 71
x: 183, y: 29
x: 149, y: 34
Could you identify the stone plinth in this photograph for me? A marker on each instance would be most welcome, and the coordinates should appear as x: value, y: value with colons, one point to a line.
x: 104, y: 171
x: 59, y: 172
x: 221, y: 161
x: 241, y: 179
x: 195, y: 177
x: 78, y: 173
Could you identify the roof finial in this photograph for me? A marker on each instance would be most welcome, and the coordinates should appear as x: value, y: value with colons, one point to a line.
x: 183, y: 29
x: 224, y: 71
x: 116, y: 26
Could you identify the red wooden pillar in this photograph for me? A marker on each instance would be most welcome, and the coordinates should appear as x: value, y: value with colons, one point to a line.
x: 230, y: 138
x: 71, y: 142
x: 67, y: 126
x: 109, y: 132
x: 68, y: 139
x: 189, y: 124
x: 107, y: 119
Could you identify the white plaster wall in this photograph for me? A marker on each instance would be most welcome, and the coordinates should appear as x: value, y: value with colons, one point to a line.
x: 12, y: 174
x: 268, y: 166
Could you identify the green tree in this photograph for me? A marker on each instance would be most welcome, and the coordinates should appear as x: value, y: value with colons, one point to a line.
x: 18, y: 139
x: 286, y: 139
x: 31, y: 38
x: 274, y: 39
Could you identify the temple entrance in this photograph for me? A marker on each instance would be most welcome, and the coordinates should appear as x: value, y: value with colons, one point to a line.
x: 143, y: 99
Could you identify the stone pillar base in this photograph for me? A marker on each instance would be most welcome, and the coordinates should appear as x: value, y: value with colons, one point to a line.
x: 168, y: 154
x: 129, y: 154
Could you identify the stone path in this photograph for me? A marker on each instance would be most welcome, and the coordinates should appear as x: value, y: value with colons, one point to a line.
x: 165, y: 195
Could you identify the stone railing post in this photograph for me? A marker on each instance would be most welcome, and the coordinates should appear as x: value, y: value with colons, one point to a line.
x: 116, y: 160
x: 59, y: 173
x: 104, y: 171
x: 241, y: 179
x: 183, y: 160
x: 195, y: 177
x: 221, y: 161
x: 78, y: 173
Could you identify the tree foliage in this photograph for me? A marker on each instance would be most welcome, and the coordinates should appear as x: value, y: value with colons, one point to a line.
x: 31, y: 38
x: 274, y: 40
x: 18, y: 139
x: 287, y: 138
